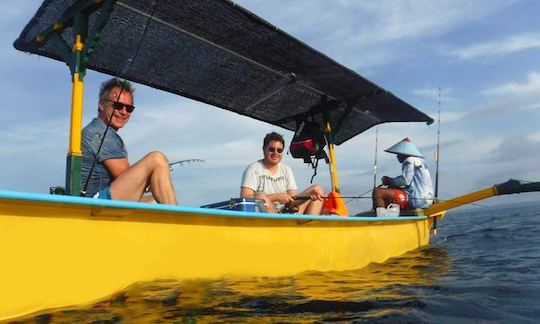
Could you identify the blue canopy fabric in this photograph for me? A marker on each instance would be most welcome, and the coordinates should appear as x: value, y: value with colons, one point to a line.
x: 217, y: 52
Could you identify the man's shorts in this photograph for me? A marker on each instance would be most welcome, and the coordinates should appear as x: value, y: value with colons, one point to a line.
x: 400, y: 197
x: 104, y: 193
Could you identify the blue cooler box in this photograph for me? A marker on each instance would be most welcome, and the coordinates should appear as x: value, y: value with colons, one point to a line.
x: 240, y: 204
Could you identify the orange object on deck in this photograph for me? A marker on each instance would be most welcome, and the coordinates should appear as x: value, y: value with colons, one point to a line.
x: 334, y: 204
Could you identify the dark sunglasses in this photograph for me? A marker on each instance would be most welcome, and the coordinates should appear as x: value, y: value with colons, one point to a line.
x: 119, y: 106
x: 275, y: 149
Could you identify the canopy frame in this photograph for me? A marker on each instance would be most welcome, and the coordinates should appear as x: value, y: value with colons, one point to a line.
x: 76, y: 57
x: 212, y: 51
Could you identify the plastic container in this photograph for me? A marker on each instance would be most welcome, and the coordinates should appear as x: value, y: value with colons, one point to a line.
x: 240, y: 204
x: 391, y: 211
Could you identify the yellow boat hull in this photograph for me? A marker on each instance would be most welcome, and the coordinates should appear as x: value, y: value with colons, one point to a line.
x: 61, y: 251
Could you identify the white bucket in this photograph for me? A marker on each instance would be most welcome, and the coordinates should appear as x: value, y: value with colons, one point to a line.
x: 391, y: 211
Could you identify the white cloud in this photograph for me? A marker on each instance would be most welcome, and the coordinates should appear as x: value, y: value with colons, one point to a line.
x: 514, y: 148
x: 365, y: 34
x: 393, y: 20
x: 33, y: 137
x: 535, y: 136
x: 531, y: 86
x: 501, y: 47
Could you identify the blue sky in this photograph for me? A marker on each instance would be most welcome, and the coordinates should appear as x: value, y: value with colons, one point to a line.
x: 483, y: 54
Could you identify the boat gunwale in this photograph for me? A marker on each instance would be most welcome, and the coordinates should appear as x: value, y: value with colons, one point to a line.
x: 208, y: 212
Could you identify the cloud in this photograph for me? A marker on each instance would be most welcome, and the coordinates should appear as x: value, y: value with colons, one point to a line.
x: 529, y: 87
x: 366, y: 34
x: 508, y: 45
x: 502, y: 104
x: 535, y: 136
x: 517, y: 148
x: 33, y: 137
x: 513, y: 157
x: 449, y: 104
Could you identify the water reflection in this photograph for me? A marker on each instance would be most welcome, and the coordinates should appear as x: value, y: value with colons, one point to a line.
x: 378, y: 290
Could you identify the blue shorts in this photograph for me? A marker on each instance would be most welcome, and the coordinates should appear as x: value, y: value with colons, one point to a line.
x: 104, y: 193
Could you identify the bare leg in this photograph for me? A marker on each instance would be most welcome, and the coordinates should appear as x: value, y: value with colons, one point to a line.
x: 148, y: 199
x: 382, y: 197
x: 153, y: 170
x: 311, y: 206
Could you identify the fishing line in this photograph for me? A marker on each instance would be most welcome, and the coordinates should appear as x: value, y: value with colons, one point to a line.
x: 410, y: 198
x: 126, y: 70
x: 360, y: 195
x: 439, y: 241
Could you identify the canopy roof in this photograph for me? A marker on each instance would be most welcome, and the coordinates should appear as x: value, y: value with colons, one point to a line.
x: 216, y: 52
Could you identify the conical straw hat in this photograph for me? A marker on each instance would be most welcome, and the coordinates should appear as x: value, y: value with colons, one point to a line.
x: 405, y: 147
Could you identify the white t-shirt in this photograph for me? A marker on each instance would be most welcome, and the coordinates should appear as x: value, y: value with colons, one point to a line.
x: 259, y: 179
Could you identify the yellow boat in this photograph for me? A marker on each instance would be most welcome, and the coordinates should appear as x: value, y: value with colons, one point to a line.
x: 64, y: 250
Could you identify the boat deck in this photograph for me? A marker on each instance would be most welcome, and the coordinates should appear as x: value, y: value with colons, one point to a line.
x: 116, y: 204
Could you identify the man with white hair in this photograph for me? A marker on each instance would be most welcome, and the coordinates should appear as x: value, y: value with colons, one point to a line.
x: 105, y: 170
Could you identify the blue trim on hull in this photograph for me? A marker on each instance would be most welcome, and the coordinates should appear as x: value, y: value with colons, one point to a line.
x: 84, y: 201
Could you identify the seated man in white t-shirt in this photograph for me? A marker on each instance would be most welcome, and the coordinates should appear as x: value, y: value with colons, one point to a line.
x: 273, y: 181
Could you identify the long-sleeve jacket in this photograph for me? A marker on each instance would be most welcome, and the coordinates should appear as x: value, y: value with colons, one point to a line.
x: 416, y: 181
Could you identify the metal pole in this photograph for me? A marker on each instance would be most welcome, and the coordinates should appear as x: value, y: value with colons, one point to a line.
x: 375, y: 162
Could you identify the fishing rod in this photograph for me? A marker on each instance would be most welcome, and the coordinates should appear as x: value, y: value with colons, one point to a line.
x: 437, y: 153
x: 179, y: 163
x: 182, y: 162
x: 375, y: 162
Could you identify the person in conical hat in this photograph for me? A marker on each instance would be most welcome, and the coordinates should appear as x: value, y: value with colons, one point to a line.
x: 413, y: 188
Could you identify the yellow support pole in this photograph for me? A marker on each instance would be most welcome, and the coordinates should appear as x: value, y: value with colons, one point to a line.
x: 77, y: 91
x: 74, y: 156
x: 332, y: 157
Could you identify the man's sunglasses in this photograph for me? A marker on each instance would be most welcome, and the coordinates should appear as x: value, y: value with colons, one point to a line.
x: 119, y: 106
x: 275, y: 149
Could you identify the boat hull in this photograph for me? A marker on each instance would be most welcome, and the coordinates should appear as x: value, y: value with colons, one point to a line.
x: 59, y: 251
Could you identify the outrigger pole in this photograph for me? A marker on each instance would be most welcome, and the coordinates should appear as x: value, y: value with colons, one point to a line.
x: 77, y: 57
x: 510, y: 187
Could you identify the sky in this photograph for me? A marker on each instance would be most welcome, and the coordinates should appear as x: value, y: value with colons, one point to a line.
x: 483, y: 55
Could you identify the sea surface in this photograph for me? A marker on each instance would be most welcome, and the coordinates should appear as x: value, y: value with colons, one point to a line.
x: 482, y: 267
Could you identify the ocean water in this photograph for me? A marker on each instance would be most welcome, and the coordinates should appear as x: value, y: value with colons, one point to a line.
x: 482, y: 267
